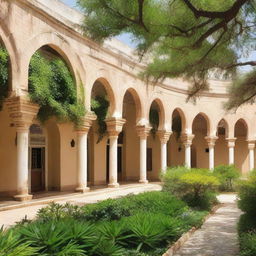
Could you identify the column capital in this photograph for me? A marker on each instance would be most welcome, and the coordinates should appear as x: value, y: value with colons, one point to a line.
x: 164, y: 136
x: 114, y: 126
x: 143, y: 131
x: 22, y: 111
x: 86, y: 122
x: 231, y: 142
x: 211, y: 140
x: 187, y: 139
x: 251, y: 144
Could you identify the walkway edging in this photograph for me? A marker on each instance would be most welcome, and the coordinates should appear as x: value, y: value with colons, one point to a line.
x: 183, y: 239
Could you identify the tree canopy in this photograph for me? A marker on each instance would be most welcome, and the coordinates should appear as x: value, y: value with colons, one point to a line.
x: 191, y: 39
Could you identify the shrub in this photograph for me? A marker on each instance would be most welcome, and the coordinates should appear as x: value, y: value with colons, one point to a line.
x: 56, y: 238
x: 248, y: 244
x: 247, y: 194
x: 227, y: 175
x: 195, y: 186
x: 11, y: 244
x: 247, y: 223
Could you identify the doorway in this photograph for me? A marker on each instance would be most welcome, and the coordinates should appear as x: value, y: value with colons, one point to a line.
x: 37, y: 159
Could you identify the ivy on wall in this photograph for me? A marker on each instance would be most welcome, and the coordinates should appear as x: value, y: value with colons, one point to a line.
x: 4, y: 63
x: 154, y: 120
x: 51, y: 85
x: 100, y: 106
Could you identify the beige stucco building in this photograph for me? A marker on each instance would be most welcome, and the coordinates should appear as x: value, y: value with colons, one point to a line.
x: 56, y: 156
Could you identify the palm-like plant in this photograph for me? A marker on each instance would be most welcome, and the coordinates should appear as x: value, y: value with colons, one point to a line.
x: 52, y: 239
x: 12, y: 245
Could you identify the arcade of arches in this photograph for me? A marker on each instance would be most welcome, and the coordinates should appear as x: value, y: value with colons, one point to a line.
x: 145, y: 128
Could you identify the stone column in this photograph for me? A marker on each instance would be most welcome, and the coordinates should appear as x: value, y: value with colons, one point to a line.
x: 187, y: 142
x: 251, y: 147
x: 211, y: 143
x: 114, y: 127
x: 82, y: 133
x: 22, y: 112
x: 164, y: 137
x: 143, y: 133
x: 231, y: 151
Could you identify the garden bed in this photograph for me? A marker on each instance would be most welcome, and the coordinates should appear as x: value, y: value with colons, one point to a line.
x: 135, y: 225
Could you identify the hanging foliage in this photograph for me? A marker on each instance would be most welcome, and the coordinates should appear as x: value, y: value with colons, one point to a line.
x: 4, y: 63
x: 100, y: 107
x: 51, y: 85
x: 154, y: 120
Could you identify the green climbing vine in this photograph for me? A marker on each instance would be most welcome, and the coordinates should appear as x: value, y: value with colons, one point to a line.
x: 100, y: 106
x: 154, y: 120
x: 51, y: 85
x: 4, y: 63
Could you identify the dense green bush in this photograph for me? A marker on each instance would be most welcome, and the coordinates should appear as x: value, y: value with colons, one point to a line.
x: 227, y: 175
x: 247, y: 194
x: 247, y: 223
x: 248, y: 244
x: 195, y: 186
x: 51, y: 85
x: 11, y: 244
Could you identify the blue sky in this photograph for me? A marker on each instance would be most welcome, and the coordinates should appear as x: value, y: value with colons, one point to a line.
x: 125, y: 38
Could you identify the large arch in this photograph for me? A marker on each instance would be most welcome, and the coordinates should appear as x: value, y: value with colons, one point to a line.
x: 132, y: 113
x: 241, y: 145
x: 98, y: 141
x: 176, y: 154
x: 60, y: 45
x: 221, y: 145
x: 158, y: 104
x: 200, y: 128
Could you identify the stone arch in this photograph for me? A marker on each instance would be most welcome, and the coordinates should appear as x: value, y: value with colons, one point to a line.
x: 62, y: 47
x: 137, y: 100
x: 238, y: 124
x: 110, y: 94
x: 207, y: 120
x: 9, y: 43
x: 160, y: 105
x: 182, y: 116
x: 223, y: 127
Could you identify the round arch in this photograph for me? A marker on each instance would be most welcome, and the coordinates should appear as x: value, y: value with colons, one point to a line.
x: 161, y: 112
x: 62, y: 47
x: 241, y: 122
x: 137, y: 100
x: 207, y: 120
x: 9, y: 43
x: 223, y: 127
x: 110, y: 93
x: 182, y: 116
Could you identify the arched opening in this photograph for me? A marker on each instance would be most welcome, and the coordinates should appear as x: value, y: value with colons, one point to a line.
x: 153, y: 142
x: 102, y: 105
x: 241, y: 146
x: 221, y: 146
x: 8, y: 134
x: 52, y: 86
x: 176, y: 154
x: 131, y: 149
x: 200, y: 130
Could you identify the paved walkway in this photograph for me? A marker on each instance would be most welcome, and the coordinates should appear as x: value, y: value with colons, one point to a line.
x: 10, y: 214
x: 217, y: 236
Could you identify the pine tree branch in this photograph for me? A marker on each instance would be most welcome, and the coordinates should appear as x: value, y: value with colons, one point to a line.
x: 240, y: 64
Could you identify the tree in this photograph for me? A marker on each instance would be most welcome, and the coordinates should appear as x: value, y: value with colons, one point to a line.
x: 185, y: 38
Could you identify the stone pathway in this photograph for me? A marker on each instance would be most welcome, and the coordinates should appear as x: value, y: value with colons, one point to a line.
x: 11, y: 216
x: 217, y: 236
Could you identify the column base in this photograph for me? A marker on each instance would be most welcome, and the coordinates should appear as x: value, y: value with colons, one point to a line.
x: 82, y: 190
x: 113, y: 185
x: 143, y: 181
x: 23, y: 198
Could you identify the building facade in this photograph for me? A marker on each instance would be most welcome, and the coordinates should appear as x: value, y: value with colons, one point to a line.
x: 57, y: 156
